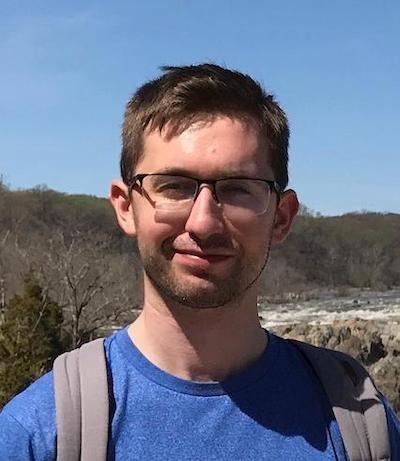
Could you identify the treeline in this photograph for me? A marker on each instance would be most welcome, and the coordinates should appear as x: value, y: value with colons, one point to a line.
x: 352, y: 250
x: 73, y: 246
x: 66, y: 270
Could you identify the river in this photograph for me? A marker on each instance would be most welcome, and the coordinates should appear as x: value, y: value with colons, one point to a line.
x: 326, y: 306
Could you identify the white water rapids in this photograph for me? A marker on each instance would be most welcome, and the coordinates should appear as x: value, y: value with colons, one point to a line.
x: 381, y: 306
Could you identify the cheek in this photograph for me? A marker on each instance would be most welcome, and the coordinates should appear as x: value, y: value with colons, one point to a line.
x: 254, y: 236
x: 152, y: 234
x: 152, y: 226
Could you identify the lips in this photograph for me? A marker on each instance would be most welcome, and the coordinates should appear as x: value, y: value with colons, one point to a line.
x: 201, y: 259
x: 205, y: 254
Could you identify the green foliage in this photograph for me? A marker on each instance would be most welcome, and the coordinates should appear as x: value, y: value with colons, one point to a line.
x: 30, y: 338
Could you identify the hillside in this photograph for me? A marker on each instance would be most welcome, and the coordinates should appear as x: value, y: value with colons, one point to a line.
x: 38, y: 226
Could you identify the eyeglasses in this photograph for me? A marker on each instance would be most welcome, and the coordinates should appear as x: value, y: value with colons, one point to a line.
x: 239, y: 197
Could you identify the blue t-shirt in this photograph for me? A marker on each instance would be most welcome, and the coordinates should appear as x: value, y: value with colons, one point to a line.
x: 273, y: 410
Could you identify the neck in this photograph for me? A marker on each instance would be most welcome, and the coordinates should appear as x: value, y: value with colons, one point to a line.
x: 199, y: 344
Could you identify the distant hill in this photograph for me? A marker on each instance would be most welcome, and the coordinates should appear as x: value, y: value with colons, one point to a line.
x: 43, y: 231
x: 355, y: 249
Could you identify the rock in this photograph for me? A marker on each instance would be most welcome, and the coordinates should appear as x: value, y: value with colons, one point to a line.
x: 351, y: 346
x: 376, y: 351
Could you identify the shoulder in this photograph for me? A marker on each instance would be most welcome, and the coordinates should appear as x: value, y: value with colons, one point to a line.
x: 28, y: 421
x: 350, y: 387
x: 35, y: 403
x: 28, y: 425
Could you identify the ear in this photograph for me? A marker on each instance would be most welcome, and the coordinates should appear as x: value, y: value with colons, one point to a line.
x: 120, y: 200
x: 286, y: 210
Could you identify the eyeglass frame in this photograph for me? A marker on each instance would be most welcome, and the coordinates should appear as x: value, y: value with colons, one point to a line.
x: 138, y: 178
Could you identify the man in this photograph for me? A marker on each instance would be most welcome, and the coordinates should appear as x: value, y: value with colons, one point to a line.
x: 195, y: 377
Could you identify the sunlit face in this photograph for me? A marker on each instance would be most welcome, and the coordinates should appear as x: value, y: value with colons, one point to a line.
x: 205, y: 260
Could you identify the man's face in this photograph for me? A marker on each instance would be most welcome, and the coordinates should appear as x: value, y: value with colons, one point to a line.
x: 204, y: 260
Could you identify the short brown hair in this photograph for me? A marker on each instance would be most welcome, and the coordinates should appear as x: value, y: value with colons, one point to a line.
x: 184, y: 94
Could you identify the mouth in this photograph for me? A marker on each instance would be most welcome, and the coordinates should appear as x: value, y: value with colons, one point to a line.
x: 200, y: 257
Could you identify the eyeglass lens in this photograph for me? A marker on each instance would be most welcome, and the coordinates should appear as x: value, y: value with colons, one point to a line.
x: 238, y: 197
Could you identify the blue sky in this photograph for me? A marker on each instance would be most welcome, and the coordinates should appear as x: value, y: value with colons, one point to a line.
x: 68, y: 68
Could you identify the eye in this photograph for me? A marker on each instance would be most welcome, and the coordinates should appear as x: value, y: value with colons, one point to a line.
x: 235, y: 188
x: 173, y: 188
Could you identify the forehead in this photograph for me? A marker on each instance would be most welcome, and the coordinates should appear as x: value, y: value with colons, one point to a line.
x: 207, y: 148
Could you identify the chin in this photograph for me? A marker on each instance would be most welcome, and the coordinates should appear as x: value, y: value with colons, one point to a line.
x: 198, y: 293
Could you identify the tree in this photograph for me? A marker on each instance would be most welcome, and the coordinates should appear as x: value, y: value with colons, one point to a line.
x: 84, y: 278
x: 30, y: 338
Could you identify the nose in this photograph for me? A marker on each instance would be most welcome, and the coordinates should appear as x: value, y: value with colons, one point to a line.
x: 205, y: 218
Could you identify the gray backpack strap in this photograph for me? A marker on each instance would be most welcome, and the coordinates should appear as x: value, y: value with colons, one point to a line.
x: 355, y: 402
x: 82, y: 403
x: 67, y: 395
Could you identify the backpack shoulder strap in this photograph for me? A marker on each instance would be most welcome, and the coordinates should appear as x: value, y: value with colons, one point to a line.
x: 355, y: 402
x: 82, y: 403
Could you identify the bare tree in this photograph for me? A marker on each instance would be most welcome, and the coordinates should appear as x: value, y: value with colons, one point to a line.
x: 82, y: 276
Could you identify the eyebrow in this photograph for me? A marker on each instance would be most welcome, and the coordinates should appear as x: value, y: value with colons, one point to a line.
x: 173, y: 171
x: 183, y: 172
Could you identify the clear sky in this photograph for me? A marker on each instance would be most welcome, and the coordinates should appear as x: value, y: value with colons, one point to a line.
x: 68, y: 68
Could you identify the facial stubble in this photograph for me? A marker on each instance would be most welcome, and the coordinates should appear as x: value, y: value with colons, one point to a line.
x: 202, y: 290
